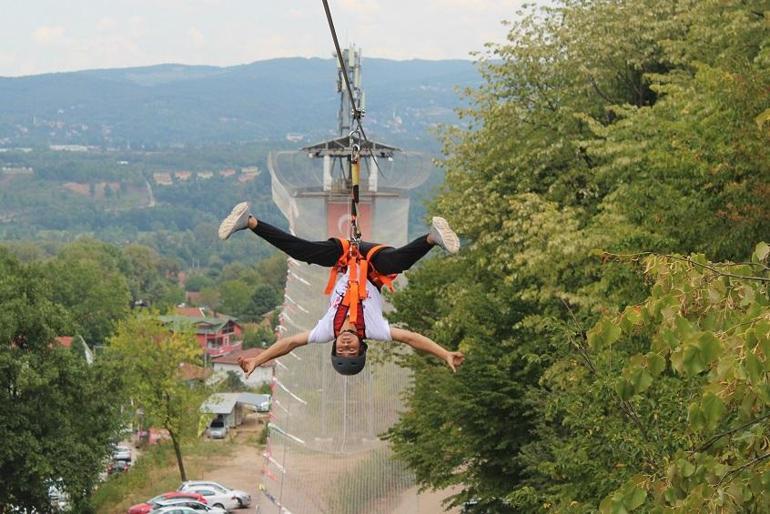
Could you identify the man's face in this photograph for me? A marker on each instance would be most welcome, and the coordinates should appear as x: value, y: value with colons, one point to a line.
x: 347, y: 344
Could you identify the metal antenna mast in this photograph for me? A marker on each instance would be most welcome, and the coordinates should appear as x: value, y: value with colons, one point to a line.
x: 352, y: 57
x: 337, y: 153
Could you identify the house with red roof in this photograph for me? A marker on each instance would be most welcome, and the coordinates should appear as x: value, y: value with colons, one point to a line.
x: 216, y: 333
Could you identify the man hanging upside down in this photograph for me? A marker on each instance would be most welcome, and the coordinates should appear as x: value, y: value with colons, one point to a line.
x: 349, y: 349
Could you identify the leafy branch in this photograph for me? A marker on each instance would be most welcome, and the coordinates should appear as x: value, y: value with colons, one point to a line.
x: 708, y: 444
x: 625, y: 405
x: 635, y: 256
x: 734, y: 472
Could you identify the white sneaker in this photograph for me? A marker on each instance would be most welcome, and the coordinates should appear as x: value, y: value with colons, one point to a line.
x: 444, y: 236
x: 238, y: 219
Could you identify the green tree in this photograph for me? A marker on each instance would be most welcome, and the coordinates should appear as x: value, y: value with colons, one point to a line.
x: 87, y: 280
x: 151, y: 278
x: 603, y: 124
x: 58, y: 415
x: 151, y: 357
x: 260, y: 337
x: 671, y: 395
x: 236, y: 297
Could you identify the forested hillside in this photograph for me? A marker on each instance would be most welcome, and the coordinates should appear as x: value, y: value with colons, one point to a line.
x: 265, y: 100
x: 611, y: 298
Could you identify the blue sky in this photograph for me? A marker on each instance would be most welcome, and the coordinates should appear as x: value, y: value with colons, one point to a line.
x: 40, y: 36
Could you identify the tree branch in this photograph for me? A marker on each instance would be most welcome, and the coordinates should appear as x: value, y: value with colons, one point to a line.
x: 694, y: 263
x: 599, y: 92
x: 737, y: 470
x: 717, y: 437
x: 625, y: 405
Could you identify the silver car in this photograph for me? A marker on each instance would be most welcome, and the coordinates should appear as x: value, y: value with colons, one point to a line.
x: 217, y: 429
x: 243, y: 498
x: 186, y: 506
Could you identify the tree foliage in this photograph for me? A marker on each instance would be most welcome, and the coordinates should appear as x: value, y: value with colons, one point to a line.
x: 58, y: 415
x: 151, y: 358
x: 627, y: 126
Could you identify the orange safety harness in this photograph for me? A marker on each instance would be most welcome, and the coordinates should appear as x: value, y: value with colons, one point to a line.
x: 360, y: 271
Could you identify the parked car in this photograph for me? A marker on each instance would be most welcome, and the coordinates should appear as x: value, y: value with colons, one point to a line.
x: 215, y: 496
x: 118, y: 466
x: 59, y: 498
x: 186, y: 509
x: 243, y: 498
x: 120, y: 452
x: 264, y: 405
x: 217, y: 429
x: 196, y: 506
x: 154, y: 503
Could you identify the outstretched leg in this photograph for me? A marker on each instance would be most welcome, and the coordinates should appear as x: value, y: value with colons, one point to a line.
x: 391, y: 260
x: 396, y: 260
x: 324, y: 253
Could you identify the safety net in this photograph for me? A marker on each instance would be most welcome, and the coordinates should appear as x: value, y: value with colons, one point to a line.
x: 323, y: 453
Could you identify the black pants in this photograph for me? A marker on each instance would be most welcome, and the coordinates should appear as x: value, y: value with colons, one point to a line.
x: 326, y: 253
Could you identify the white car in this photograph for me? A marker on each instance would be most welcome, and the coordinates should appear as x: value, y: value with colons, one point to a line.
x: 216, y: 496
x: 121, y: 452
x: 243, y: 498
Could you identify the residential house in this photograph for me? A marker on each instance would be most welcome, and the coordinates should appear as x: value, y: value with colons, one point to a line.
x: 217, y: 334
x: 229, y: 362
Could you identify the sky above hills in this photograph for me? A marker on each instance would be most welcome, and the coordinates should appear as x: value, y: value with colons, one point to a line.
x: 42, y: 36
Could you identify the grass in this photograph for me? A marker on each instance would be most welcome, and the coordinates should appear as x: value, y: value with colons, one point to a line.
x: 156, y: 472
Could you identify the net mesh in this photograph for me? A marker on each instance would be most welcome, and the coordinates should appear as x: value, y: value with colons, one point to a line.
x: 323, y: 454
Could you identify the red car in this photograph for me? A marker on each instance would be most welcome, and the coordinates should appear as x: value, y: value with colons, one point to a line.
x: 152, y: 503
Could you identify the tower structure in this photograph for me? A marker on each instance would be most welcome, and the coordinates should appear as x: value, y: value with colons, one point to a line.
x: 324, y: 454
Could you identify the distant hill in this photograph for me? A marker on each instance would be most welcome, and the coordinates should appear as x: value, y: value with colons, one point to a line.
x: 173, y: 104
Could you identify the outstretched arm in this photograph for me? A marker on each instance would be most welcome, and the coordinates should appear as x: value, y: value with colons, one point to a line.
x: 422, y: 343
x: 278, y: 349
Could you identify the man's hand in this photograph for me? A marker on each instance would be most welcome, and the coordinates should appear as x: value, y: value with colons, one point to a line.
x: 247, y: 365
x: 423, y: 344
x: 454, y: 360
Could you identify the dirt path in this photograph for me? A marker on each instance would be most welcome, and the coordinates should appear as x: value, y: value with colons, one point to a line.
x: 241, y: 470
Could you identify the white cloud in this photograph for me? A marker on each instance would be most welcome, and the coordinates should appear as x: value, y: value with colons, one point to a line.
x: 48, y: 34
x: 225, y: 32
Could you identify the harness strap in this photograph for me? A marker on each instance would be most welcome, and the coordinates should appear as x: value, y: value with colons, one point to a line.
x: 360, y: 270
x: 339, y: 267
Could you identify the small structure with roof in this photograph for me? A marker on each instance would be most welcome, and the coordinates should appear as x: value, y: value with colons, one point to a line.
x: 231, y: 407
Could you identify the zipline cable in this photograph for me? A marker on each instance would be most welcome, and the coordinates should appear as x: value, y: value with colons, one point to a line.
x: 358, y: 113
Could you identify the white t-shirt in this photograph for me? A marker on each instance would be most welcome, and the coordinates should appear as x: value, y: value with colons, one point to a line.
x: 377, y: 327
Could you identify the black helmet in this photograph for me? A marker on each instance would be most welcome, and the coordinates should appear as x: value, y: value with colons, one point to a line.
x: 349, y: 365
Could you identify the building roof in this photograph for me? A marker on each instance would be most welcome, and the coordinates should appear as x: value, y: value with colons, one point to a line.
x: 65, y: 341
x: 224, y: 403
x: 253, y: 398
x: 220, y: 403
x: 202, y: 325
x: 193, y: 372
x: 232, y: 357
x: 191, y: 312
